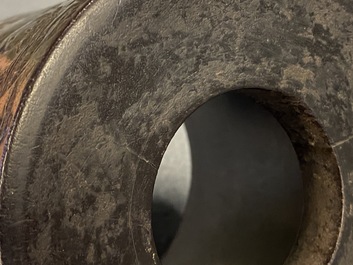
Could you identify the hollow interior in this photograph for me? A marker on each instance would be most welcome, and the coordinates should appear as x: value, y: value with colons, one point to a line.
x: 229, y: 189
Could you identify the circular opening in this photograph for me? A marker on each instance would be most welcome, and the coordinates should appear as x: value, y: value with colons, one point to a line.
x: 229, y: 188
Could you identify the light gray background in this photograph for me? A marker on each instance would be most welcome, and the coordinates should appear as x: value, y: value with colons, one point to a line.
x: 13, y: 7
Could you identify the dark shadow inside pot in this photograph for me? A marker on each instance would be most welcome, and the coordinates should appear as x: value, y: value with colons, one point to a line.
x: 229, y: 191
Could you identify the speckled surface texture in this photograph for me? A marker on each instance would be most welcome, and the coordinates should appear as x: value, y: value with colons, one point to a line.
x: 117, y: 86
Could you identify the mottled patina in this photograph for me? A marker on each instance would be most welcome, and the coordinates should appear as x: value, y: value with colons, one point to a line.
x: 92, y: 104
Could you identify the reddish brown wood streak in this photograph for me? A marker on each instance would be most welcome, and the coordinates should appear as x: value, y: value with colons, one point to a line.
x: 4, y: 63
x: 25, y: 42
